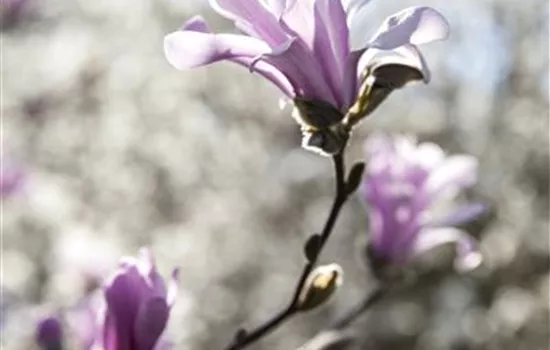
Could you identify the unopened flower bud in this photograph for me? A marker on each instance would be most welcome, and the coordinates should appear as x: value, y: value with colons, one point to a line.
x: 49, y: 333
x: 319, y: 286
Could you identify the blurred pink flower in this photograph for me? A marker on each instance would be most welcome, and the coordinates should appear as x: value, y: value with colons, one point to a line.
x: 11, y: 11
x: 404, y: 184
x: 11, y: 177
x: 49, y: 333
x: 138, y: 304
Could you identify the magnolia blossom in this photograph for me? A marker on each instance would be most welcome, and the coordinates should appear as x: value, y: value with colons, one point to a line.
x: 11, y: 11
x: 303, y: 48
x: 12, y: 177
x: 410, y: 189
x: 49, y: 333
x: 138, y: 304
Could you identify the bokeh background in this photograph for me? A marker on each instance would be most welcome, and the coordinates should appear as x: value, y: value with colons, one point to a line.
x: 109, y: 148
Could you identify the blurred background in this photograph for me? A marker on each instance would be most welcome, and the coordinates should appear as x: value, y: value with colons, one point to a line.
x: 107, y: 148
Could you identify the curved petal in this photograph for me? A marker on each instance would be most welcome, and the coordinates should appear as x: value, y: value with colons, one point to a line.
x: 406, y: 55
x: 351, y: 82
x: 172, y: 287
x: 321, y: 27
x: 150, y: 323
x: 468, y: 256
x: 429, y: 155
x: 122, y: 305
x: 414, y: 25
x: 147, y: 268
x: 189, y: 49
x: 196, y: 24
x: 253, y: 17
x: 267, y: 71
x: 454, y: 173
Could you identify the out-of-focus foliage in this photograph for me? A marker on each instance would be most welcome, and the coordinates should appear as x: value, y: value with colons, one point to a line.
x: 120, y: 150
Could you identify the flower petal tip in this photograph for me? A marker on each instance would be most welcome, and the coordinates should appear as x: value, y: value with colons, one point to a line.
x: 468, y: 262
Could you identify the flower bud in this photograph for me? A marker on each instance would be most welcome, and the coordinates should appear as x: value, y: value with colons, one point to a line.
x: 49, y: 334
x: 320, y: 285
x: 138, y: 304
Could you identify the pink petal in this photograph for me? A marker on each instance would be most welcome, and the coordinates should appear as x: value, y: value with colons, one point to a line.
x: 331, y: 46
x: 150, y: 323
x: 414, y: 25
x: 189, y: 49
x: 468, y: 256
x: 267, y: 71
x: 196, y: 24
x: 454, y: 173
x: 298, y: 17
x: 254, y: 17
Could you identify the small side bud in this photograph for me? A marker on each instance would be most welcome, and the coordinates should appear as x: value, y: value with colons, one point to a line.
x: 312, y: 246
x: 240, y: 335
x: 355, y: 176
x: 319, y: 287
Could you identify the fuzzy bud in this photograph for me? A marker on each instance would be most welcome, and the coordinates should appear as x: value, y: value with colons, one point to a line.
x: 320, y: 285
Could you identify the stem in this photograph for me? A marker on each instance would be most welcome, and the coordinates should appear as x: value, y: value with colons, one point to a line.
x: 336, y: 330
x: 340, y: 198
x: 359, y: 309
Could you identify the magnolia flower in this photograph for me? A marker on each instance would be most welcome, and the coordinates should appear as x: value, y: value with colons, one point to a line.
x: 49, y: 334
x: 406, y: 186
x: 303, y: 48
x: 11, y: 177
x: 138, y: 305
x: 11, y: 11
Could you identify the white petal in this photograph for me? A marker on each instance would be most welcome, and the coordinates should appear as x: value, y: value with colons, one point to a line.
x: 429, y: 155
x: 454, y: 173
x: 414, y: 25
x: 468, y: 256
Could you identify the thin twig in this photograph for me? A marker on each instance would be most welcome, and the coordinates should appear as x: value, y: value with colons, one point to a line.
x: 335, y: 335
x: 340, y: 197
x: 359, y: 309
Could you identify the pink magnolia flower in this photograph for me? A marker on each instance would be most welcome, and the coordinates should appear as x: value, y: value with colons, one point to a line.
x: 303, y: 48
x: 404, y: 186
x: 138, y: 304
x: 49, y: 333
x: 11, y: 177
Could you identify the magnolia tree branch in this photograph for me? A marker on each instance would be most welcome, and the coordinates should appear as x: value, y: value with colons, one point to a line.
x: 359, y: 309
x: 344, y: 188
x: 335, y: 336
